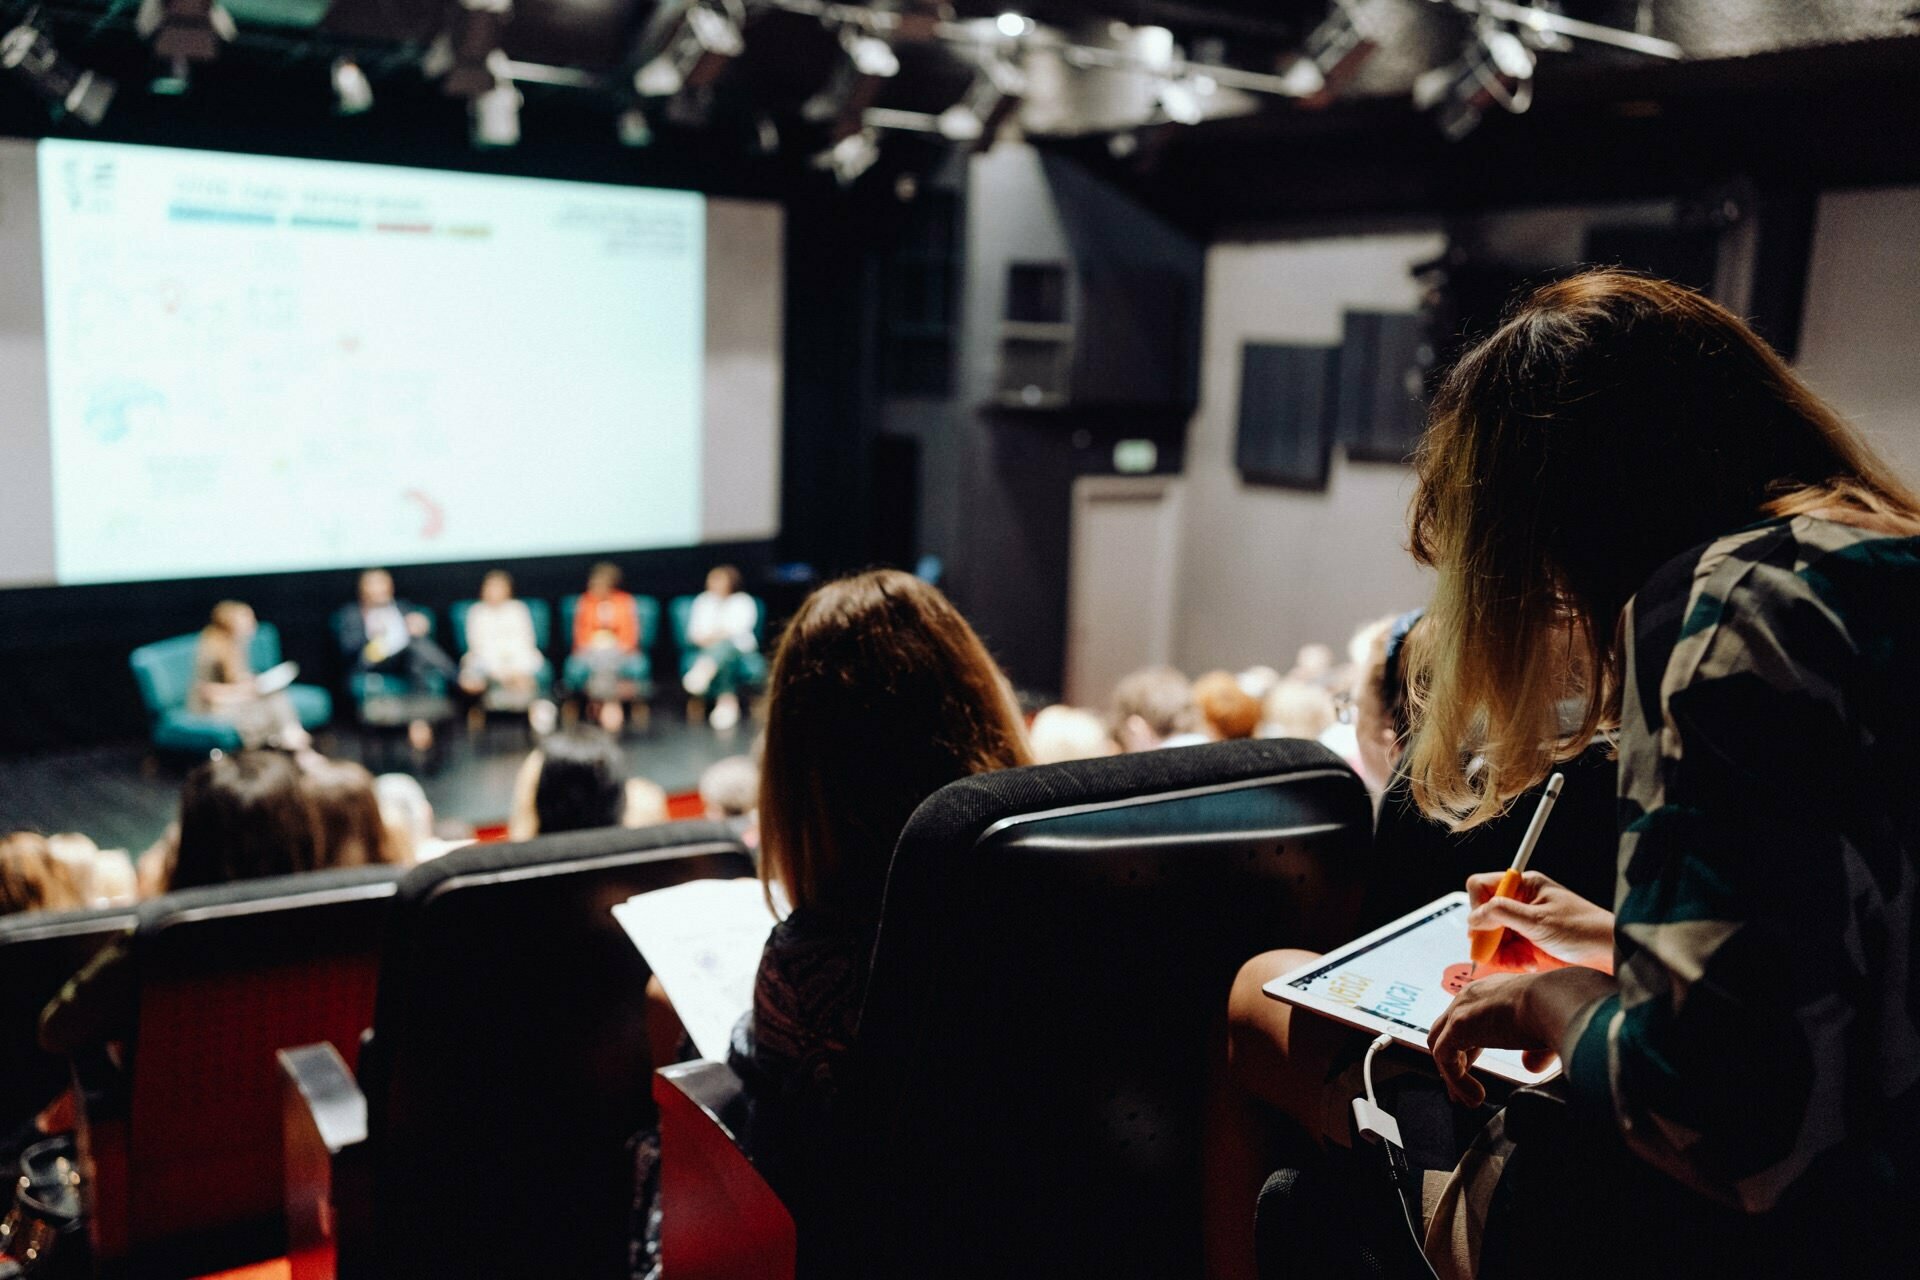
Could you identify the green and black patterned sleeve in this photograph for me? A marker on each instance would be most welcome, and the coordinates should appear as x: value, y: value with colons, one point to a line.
x: 1764, y: 906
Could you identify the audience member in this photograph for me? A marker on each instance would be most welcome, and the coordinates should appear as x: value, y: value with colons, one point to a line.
x: 105, y: 876
x: 225, y: 686
x: 606, y: 646
x: 348, y: 829
x: 34, y: 878
x: 1062, y: 733
x: 574, y: 781
x: 1227, y: 711
x: 407, y: 815
x: 1153, y: 708
x: 242, y: 817
x: 730, y: 792
x: 1634, y: 507
x: 501, y: 666
x: 385, y: 636
x: 1297, y: 708
x: 880, y: 694
x: 723, y: 627
x: 1314, y: 663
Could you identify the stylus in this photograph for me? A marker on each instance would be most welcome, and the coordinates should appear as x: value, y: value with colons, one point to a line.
x: 1482, y: 943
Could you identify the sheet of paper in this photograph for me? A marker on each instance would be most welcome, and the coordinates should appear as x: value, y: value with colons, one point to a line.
x: 703, y: 941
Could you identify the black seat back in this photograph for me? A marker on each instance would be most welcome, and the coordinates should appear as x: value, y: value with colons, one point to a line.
x: 1055, y: 953
x: 508, y: 1068
x: 228, y: 976
x: 39, y: 951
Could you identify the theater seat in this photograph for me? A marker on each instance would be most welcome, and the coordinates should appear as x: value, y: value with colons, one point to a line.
x: 487, y: 1132
x: 1050, y: 976
x: 184, y: 1147
x: 164, y: 672
x: 39, y: 951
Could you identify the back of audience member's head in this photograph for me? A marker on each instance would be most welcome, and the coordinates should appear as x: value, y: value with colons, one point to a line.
x: 1061, y: 733
x: 730, y: 788
x: 1380, y: 712
x: 406, y: 813
x: 1298, y: 709
x: 1227, y: 711
x: 244, y: 816
x: 105, y: 876
x: 1152, y: 705
x: 580, y: 782
x: 346, y: 814
x: 34, y: 878
x: 645, y: 804
x: 880, y: 694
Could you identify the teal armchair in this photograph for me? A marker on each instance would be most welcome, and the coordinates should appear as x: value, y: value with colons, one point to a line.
x: 164, y: 672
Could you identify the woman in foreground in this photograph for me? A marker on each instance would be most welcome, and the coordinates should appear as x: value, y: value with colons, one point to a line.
x: 1625, y: 480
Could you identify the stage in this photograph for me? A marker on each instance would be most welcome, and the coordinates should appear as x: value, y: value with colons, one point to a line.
x: 122, y: 798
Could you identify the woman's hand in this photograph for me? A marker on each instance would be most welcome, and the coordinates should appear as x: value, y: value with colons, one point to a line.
x: 1543, y: 917
x: 1531, y: 1012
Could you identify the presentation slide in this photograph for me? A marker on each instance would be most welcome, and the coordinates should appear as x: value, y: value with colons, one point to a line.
x: 254, y: 365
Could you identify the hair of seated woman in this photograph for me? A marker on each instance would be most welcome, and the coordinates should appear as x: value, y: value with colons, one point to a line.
x: 880, y: 694
x: 1613, y: 422
x: 243, y: 816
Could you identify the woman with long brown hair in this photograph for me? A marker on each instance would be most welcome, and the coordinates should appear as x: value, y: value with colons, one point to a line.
x: 1626, y: 484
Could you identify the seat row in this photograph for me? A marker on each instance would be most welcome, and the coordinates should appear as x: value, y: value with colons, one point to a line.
x: 1026, y: 1095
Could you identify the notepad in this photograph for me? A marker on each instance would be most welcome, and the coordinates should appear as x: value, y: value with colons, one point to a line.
x: 275, y: 678
x: 1399, y: 979
x: 703, y: 940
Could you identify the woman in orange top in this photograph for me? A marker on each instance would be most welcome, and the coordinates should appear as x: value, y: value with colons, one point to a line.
x: 606, y: 646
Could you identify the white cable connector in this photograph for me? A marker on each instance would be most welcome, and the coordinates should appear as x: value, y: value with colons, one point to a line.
x: 1369, y: 1117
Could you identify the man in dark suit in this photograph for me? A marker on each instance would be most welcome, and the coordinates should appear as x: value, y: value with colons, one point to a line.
x: 383, y: 636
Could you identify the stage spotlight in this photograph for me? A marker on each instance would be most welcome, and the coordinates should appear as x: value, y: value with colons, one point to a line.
x: 1495, y: 68
x: 68, y: 89
x: 687, y: 45
x: 871, y: 56
x: 998, y: 88
x: 633, y: 128
x: 352, y: 92
x: 851, y: 156
x: 184, y: 31
x: 466, y: 57
x: 496, y: 116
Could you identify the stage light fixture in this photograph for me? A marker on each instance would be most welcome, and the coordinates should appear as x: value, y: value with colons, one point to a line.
x: 183, y: 32
x: 496, y: 116
x: 998, y: 88
x: 633, y: 128
x: 687, y: 46
x: 870, y: 55
x: 352, y: 91
x: 1494, y: 69
x: 466, y: 56
x: 851, y: 156
x: 68, y: 89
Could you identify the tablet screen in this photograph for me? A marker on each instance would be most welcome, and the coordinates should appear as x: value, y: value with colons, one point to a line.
x: 1398, y: 979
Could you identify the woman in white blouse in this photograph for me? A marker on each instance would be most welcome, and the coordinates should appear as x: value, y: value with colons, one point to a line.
x: 502, y: 662
x: 722, y: 627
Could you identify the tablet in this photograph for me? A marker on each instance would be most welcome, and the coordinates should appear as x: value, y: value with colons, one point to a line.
x: 1397, y: 980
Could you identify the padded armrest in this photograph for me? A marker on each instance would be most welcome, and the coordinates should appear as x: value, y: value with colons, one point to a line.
x: 324, y: 1128
x: 720, y: 1219
x: 100, y: 1095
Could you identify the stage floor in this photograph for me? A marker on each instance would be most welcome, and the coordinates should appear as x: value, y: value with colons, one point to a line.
x: 116, y: 796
